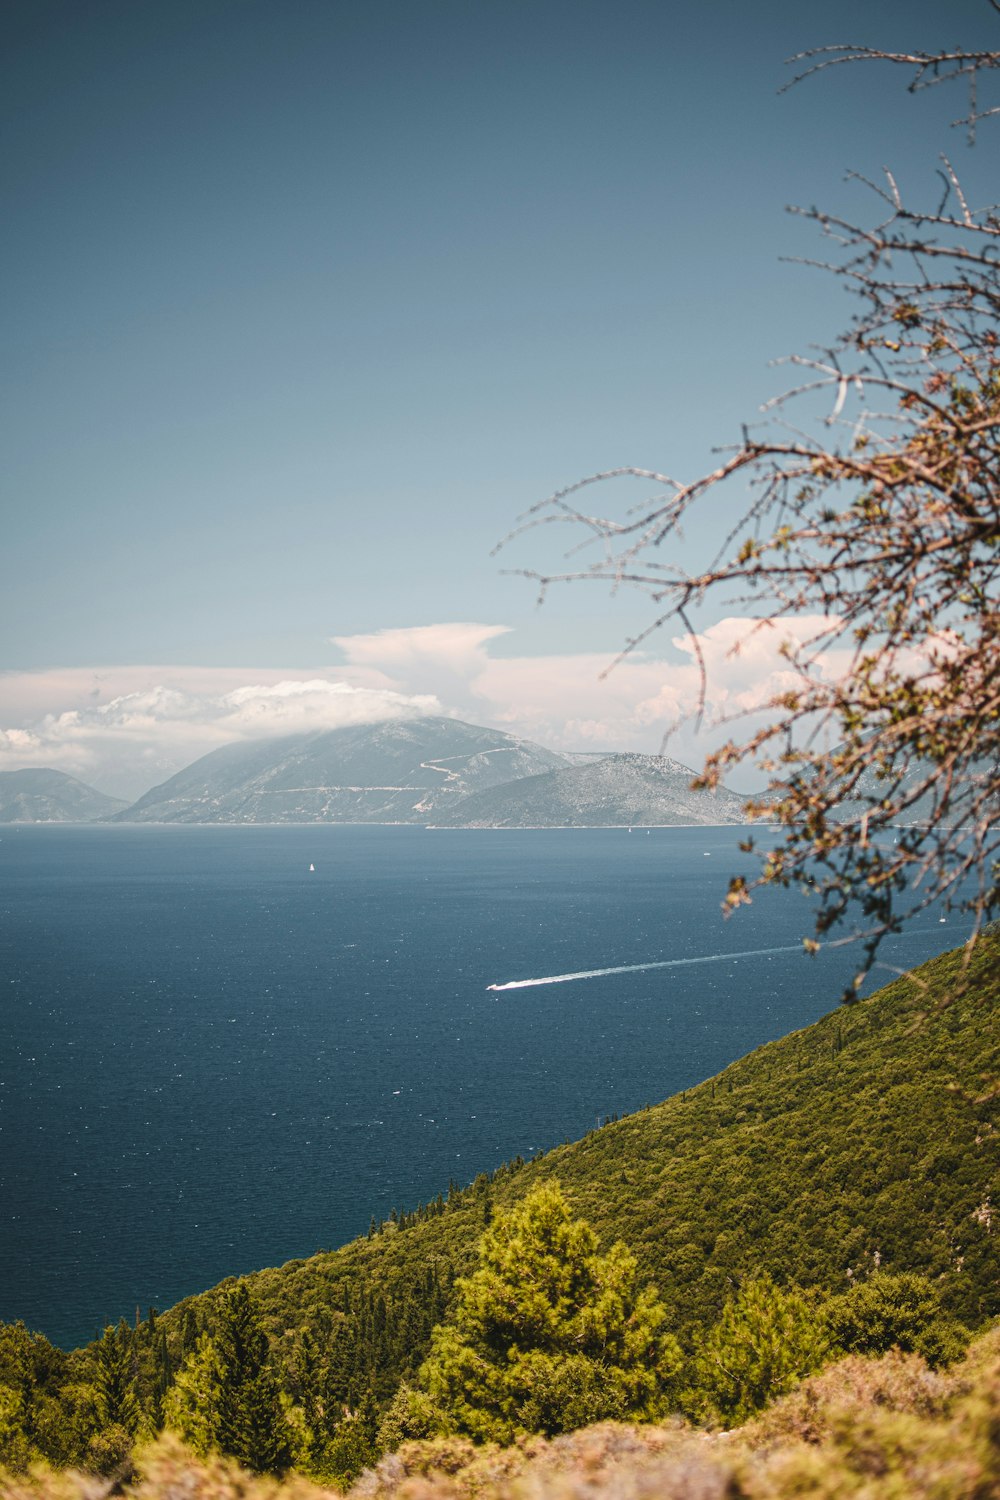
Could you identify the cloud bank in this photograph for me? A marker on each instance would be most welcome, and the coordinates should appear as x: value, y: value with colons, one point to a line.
x: 584, y: 700
x: 125, y: 729
x: 140, y: 737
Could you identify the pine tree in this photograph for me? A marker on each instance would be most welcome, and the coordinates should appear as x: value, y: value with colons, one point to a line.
x: 308, y: 1379
x: 16, y: 1451
x: 190, y: 1407
x: 766, y: 1341
x: 189, y: 1331
x: 548, y: 1334
x: 161, y: 1378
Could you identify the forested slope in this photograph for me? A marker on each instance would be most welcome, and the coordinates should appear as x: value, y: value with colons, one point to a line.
x: 870, y: 1137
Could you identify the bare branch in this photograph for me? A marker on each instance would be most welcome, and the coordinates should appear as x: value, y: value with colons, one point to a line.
x: 883, y: 760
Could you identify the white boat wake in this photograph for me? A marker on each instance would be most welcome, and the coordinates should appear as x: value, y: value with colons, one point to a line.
x: 665, y: 963
x: 670, y: 963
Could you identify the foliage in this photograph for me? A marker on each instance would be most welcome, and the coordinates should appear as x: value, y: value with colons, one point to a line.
x: 226, y: 1396
x: 109, y: 1450
x: 869, y: 553
x: 45, y: 1409
x: 250, y: 1420
x: 886, y: 1429
x: 16, y: 1451
x: 165, y: 1470
x: 22, y: 1382
x: 825, y: 1404
x: 352, y: 1447
x: 766, y: 1341
x: 190, y: 1408
x: 895, y: 1312
x: 115, y: 1380
x: 548, y: 1334
x: 411, y: 1414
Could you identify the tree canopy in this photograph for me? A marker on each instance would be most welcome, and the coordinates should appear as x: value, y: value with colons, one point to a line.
x: 548, y: 1334
x: 766, y: 1341
x: 226, y: 1395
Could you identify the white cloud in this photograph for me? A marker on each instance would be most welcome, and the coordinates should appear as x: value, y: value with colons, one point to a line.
x: 295, y: 707
x: 443, y: 660
x: 458, y: 646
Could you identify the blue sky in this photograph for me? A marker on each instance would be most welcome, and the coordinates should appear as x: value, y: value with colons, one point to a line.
x: 306, y: 302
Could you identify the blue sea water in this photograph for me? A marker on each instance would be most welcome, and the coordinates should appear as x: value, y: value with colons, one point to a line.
x: 213, y: 1058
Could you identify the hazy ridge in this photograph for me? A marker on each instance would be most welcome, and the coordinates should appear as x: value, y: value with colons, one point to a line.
x: 618, y: 791
x: 39, y: 795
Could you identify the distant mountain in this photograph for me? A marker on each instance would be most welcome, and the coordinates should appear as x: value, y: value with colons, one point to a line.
x: 402, y: 771
x: 645, y: 790
x: 38, y: 795
x: 871, y: 789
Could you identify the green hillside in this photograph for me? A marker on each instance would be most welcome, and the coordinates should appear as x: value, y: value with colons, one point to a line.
x: 868, y: 1138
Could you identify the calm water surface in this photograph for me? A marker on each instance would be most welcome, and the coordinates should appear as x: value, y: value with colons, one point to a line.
x: 214, y: 1059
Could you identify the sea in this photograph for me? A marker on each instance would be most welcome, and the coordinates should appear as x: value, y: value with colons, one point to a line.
x: 225, y: 1047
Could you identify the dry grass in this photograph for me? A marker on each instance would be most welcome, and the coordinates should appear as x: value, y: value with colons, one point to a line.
x: 879, y: 1429
x: 165, y: 1470
x: 826, y: 1404
x: 609, y: 1459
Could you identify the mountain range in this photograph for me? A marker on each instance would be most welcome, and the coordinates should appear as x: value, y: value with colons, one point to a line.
x: 399, y: 771
x: 430, y: 770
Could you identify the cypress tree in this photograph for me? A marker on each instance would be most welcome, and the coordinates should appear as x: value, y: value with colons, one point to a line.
x: 226, y: 1396
x: 115, y: 1380
x: 189, y: 1331
x: 251, y: 1424
x: 161, y: 1378
x: 308, y: 1377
